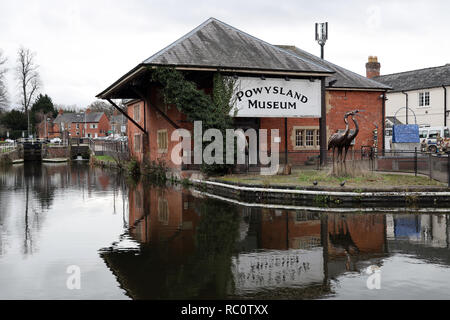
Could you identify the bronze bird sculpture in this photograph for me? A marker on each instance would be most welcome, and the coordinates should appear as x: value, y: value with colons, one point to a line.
x: 339, y: 139
x: 351, y: 136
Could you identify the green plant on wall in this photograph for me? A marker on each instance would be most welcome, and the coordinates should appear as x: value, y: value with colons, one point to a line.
x: 213, y: 110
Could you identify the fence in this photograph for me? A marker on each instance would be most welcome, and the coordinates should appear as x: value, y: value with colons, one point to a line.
x: 113, y: 148
x: 434, y: 165
x: 7, y: 147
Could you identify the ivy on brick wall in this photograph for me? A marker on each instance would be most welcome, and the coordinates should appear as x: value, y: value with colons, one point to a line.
x: 213, y: 110
x: 195, y: 103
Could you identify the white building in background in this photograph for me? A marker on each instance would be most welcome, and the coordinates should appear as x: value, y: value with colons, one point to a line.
x: 426, y: 92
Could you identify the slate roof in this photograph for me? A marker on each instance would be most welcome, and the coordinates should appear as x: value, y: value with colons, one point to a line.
x: 120, y: 118
x: 417, y: 79
x: 219, y: 45
x: 393, y: 120
x: 71, y: 117
x: 344, y: 78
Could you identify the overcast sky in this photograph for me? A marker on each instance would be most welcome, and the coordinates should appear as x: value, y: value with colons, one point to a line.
x: 83, y: 46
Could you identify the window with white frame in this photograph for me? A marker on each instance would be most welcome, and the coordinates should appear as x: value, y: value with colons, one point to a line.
x: 424, y: 99
x: 137, y: 113
x: 163, y: 141
x: 137, y: 143
x: 299, y: 138
x: 306, y: 137
x: 94, y: 126
x: 309, y: 138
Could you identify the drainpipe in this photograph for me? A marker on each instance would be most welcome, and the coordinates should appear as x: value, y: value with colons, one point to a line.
x: 445, y: 106
x: 407, y: 106
x: 383, y: 123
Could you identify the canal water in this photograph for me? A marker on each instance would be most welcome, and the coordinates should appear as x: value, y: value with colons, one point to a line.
x: 62, y: 226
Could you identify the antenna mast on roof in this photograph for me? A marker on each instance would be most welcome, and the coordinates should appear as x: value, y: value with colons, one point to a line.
x: 322, y: 35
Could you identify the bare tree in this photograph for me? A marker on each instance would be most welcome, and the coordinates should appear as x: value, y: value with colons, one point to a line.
x: 3, y: 89
x: 28, y: 79
x: 102, y: 106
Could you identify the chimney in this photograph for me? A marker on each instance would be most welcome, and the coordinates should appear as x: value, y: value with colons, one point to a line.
x: 88, y: 110
x: 60, y: 111
x: 373, y: 67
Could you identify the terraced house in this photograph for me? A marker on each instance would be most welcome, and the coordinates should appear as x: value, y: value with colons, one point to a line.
x: 81, y: 125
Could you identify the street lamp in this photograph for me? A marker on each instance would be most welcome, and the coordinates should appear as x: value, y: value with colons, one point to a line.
x: 46, y: 127
x: 322, y: 35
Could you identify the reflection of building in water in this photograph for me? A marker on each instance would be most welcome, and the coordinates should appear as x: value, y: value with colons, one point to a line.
x: 355, y: 235
x: 203, y: 248
x: 424, y: 236
x: 426, y: 229
x: 161, y: 215
x: 282, y: 230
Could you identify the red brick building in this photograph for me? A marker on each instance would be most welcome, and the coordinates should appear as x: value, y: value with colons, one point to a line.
x: 217, y: 47
x: 86, y: 124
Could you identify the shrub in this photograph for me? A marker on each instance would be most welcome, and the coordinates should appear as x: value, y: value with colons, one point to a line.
x: 156, y: 170
x: 133, y: 168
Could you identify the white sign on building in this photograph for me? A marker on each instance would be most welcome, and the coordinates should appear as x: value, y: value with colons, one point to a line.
x: 277, y: 97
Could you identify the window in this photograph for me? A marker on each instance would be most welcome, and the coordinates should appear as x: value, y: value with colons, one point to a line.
x: 93, y: 126
x: 78, y: 126
x: 163, y: 211
x: 68, y: 126
x: 446, y: 133
x: 306, y: 137
x: 162, y: 141
x: 310, y: 137
x: 137, y: 113
x: 433, y: 134
x: 299, y: 138
x: 423, y: 134
x: 137, y: 143
x: 424, y: 99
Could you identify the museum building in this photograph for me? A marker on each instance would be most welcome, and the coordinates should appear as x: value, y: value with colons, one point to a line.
x: 279, y: 87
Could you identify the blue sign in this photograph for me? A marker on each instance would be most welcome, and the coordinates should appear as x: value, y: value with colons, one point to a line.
x: 405, y: 133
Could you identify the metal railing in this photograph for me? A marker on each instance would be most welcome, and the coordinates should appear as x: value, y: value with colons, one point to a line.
x: 434, y: 165
x: 114, y: 148
x: 7, y: 147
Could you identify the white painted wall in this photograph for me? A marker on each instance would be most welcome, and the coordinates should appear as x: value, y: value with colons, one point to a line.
x: 432, y: 115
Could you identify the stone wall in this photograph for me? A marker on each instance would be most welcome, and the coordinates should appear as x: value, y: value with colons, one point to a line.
x: 9, y: 157
x: 55, y: 152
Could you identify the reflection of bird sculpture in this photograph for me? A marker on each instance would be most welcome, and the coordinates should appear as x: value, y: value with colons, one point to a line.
x: 350, y: 137
x: 338, y: 139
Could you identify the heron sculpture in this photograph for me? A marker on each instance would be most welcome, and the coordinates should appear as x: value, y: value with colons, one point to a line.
x: 339, y: 140
x: 351, y: 136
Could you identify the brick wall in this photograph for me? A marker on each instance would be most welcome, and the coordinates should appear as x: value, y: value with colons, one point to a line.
x: 337, y: 102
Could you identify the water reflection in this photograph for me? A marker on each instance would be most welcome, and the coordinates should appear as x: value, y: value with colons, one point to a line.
x: 142, y: 242
x: 49, y: 219
x: 193, y: 247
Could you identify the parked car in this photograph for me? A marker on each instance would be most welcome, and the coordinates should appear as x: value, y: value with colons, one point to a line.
x: 55, y: 140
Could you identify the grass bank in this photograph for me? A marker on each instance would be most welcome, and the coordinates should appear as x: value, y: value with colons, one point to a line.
x: 306, y: 178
